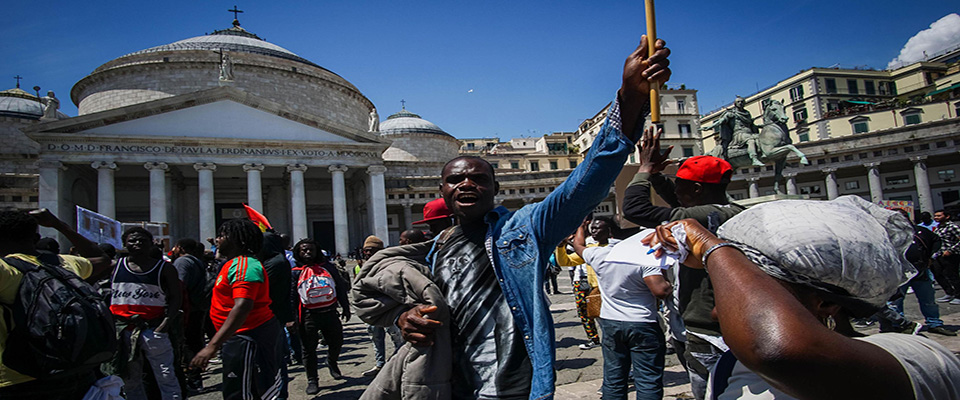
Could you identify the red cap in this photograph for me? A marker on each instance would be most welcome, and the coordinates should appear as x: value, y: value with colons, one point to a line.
x: 704, y: 169
x: 435, y: 209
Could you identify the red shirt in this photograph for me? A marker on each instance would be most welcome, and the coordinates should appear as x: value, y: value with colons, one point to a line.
x: 242, y: 277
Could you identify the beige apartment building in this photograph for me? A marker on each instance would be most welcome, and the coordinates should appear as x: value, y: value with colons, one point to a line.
x: 882, y: 135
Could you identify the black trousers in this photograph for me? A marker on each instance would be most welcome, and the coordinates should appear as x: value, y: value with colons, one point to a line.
x: 252, y: 362
x: 313, y: 323
x: 946, y: 270
x: 193, y: 341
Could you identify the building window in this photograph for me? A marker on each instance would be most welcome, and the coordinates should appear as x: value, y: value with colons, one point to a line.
x: 390, y: 196
x: 892, y: 152
x: 687, y: 151
x: 908, y: 149
x: 878, y: 154
x: 848, y: 157
x: 422, y: 195
x: 512, y: 191
x: 925, y: 146
x: 633, y: 158
x: 833, y: 105
x: 834, y: 159
x: 573, y: 164
x: 862, y: 155
x: 737, y: 196
x: 831, y: 85
x: 869, y: 87
x: 34, y: 199
x: 470, y: 146
x: 898, y: 180
x: 956, y: 110
x: 946, y: 174
x: 401, y: 196
x: 684, y: 130
x: 541, y: 190
x: 911, y: 119
x: 860, y: 127
x: 893, y: 88
x: 681, y: 106
x: 852, y: 86
x: 522, y: 191
x: 796, y: 93
x: 821, y: 161
x: 812, y: 189
x: 852, y: 185
x: 803, y: 136
x: 433, y: 195
x: 554, y: 164
x: 534, y: 166
x: 514, y: 165
x: 800, y: 115
x: 495, y: 165
x: 16, y: 199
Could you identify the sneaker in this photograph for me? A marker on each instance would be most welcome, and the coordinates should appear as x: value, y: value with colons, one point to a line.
x: 589, y: 345
x: 946, y: 299
x: 955, y: 302
x: 335, y: 372
x: 312, y: 387
x: 940, y: 330
x: 911, y: 328
x: 372, y: 371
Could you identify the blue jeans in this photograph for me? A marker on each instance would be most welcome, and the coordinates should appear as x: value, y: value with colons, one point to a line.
x: 637, y: 345
x: 922, y: 285
x: 379, y: 335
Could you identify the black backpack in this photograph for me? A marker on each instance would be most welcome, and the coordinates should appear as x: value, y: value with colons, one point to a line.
x: 60, y: 323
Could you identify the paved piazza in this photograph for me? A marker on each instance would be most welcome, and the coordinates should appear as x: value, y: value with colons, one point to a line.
x: 579, y: 372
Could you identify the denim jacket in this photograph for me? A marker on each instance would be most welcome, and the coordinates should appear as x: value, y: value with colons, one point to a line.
x: 520, y: 242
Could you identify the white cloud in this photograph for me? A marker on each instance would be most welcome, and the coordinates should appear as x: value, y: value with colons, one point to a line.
x: 942, y: 35
x: 470, y: 91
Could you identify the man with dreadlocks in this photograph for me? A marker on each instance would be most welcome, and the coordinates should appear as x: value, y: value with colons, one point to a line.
x: 248, y: 336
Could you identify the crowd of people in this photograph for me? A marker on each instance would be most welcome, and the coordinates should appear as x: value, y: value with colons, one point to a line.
x: 756, y: 303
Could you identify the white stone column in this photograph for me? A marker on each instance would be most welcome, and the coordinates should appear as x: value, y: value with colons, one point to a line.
x: 341, y: 229
x: 254, y: 187
x: 49, y: 193
x: 298, y: 201
x: 106, y: 198
x: 407, y: 214
x: 791, y: 182
x: 208, y: 209
x: 378, y: 201
x: 924, y: 198
x: 873, y: 179
x: 158, y: 191
x: 830, y: 181
x: 754, y: 187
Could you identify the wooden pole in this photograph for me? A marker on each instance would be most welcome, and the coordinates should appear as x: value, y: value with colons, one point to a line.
x: 651, y: 39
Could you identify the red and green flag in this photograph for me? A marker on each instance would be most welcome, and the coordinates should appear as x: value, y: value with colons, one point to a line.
x: 257, y: 218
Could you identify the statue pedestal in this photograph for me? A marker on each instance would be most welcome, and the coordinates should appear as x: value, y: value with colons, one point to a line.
x: 773, y: 197
x: 226, y: 83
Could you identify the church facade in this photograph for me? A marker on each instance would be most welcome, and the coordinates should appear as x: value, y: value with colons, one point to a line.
x: 184, y: 134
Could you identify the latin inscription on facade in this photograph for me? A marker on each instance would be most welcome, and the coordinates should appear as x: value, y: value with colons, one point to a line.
x: 204, y: 150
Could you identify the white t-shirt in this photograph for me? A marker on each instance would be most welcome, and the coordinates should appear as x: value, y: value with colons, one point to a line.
x: 625, y: 295
x: 933, y: 370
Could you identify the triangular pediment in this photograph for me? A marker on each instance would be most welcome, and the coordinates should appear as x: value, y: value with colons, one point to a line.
x: 225, y: 113
x: 220, y: 119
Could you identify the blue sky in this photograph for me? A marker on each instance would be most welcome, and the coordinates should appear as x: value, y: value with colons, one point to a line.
x: 534, y: 66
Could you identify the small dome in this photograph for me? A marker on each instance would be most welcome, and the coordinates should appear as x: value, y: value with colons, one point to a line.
x: 232, y: 39
x: 408, y: 122
x: 18, y: 103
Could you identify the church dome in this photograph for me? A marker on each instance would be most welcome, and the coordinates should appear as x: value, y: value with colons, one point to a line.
x: 260, y: 68
x: 415, y: 139
x: 408, y: 122
x: 18, y: 103
x: 233, y: 39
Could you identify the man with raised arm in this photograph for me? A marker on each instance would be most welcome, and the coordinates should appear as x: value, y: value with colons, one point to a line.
x: 492, y: 265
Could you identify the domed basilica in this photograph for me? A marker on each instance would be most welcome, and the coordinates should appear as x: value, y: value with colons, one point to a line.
x: 184, y: 133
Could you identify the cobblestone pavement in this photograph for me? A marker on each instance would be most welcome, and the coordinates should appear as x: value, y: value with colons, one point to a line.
x: 579, y: 372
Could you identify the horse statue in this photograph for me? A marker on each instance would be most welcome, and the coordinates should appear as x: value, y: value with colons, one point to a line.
x: 773, y: 143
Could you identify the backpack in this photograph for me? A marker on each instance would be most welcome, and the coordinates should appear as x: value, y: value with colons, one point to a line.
x: 60, y: 322
x: 316, y: 290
